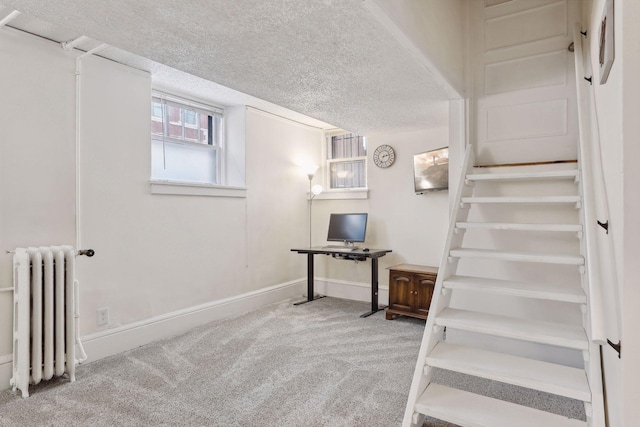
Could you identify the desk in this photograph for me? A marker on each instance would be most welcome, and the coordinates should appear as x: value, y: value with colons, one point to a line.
x: 357, y: 255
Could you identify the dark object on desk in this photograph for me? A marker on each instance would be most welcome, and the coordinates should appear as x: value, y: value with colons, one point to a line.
x: 410, y: 290
x: 349, y: 256
x: 356, y: 255
x: 365, y: 250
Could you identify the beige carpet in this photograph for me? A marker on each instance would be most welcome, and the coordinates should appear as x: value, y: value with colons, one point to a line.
x: 317, y: 364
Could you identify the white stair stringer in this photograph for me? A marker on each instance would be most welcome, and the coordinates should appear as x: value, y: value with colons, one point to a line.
x: 441, y: 298
x: 578, y: 383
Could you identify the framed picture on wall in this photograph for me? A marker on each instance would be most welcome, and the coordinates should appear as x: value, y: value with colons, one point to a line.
x: 431, y: 170
x: 607, y: 45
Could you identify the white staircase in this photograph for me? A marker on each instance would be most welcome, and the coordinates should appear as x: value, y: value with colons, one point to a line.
x: 516, y: 315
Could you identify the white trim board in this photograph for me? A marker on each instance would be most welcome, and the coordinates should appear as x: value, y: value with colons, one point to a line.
x: 113, y: 341
x: 99, y: 345
x: 106, y: 343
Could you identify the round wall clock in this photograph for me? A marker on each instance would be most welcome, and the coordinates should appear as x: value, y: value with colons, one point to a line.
x: 384, y: 156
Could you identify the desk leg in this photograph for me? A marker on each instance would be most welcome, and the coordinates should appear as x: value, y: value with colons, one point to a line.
x: 310, y: 296
x: 374, y: 289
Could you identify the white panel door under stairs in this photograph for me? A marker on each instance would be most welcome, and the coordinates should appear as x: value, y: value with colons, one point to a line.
x: 509, y: 304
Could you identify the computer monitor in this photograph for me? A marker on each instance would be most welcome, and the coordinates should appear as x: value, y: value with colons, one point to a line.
x: 347, y: 227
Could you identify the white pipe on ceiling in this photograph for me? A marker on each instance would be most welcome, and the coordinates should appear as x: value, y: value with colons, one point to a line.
x: 94, y: 50
x: 10, y: 17
x: 73, y: 43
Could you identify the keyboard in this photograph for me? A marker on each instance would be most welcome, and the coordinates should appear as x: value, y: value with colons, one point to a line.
x: 337, y: 248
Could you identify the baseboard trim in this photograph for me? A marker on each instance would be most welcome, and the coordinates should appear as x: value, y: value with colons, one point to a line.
x: 6, y: 370
x: 99, y: 345
x: 113, y: 341
x: 349, y: 290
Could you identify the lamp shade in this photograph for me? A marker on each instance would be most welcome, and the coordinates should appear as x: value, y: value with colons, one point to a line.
x: 310, y: 170
x: 316, y: 189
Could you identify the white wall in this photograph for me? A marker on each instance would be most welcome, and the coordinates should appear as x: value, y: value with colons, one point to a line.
x: 277, y: 206
x: 37, y: 201
x: 438, y: 30
x: 629, y: 10
x: 155, y: 254
x: 412, y: 226
x: 618, y: 109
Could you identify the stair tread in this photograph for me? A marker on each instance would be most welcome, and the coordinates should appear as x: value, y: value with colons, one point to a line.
x: 520, y: 289
x: 520, y: 226
x: 548, y: 377
x: 551, y: 333
x: 473, y: 410
x: 521, y: 199
x: 560, y: 174
x: 550, y: 258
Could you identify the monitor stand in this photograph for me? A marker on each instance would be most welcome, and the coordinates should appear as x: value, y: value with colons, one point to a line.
x: 350, y: 245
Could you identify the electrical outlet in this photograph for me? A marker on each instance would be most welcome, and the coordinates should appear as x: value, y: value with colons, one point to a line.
x: 103, y: 316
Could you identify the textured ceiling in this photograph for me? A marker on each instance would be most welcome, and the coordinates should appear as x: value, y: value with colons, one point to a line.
x: 331, y: 60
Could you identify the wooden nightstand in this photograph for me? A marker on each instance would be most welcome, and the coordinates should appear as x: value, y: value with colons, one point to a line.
x: 410, y: 290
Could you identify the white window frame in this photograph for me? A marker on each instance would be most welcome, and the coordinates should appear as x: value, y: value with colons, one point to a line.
x: 340, y: 193
x: 217, y: 145
x: 190, y: 105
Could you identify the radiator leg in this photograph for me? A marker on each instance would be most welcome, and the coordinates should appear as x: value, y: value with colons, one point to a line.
x: 76, y: 290
x: 70, y: 321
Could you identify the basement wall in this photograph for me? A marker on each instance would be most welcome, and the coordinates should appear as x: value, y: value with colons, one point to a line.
x: 412, y: 226
x: 436, y: 30
x: 616, y: 107
x: 155, y: 254
x: 165, y: 263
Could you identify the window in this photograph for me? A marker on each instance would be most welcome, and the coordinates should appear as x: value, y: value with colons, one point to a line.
x: 186, y: 140
x: 346, y: 161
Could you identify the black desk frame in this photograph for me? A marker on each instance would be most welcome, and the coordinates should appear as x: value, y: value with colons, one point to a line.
x: 357, y: 255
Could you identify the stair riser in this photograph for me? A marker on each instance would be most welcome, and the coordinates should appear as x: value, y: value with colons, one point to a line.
x: 575, y: 345
x: 520, y: 258
x: 547, y: 388
x: 515, y: 289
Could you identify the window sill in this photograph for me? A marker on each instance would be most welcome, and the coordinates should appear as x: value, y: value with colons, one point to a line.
x: 195, y: 189
x: 360, y: 193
